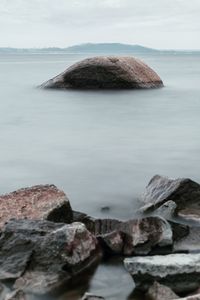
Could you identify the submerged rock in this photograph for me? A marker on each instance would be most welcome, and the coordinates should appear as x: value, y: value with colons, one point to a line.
x: 184, y: 192
x: 3, y: 291
x: 16, y: 295
x: 106, y: 72
x: 160, y: 292
x: 44, y: 202
x: 180, y: 272
x: 89, y: 296
x: 194, y: 297
x: 42, y: 255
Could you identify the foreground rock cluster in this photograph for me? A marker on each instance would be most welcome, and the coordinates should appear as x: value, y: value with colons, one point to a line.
x: 106, y: 72
x: 45, y: 245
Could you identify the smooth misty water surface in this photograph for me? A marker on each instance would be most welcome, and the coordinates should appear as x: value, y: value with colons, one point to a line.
x: 100, y: 147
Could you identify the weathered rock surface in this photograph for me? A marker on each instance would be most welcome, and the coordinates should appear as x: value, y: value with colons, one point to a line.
x: 183, y: 191
x: 16, y: 295
x: 138, y: 236
x: 180, y: 272
x: 105, y: 73
x: 89, y: 296
x: 189, y: 242
x: 42, y: 255
x: 166, y: 210
x: 44, y: 202
x: 160, y: 292
x: 3, y: 291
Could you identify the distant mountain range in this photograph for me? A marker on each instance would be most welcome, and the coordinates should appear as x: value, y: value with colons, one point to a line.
x: 100, y: 48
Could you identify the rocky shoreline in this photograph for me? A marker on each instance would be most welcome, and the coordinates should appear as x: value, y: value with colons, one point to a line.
x: 45, y: 245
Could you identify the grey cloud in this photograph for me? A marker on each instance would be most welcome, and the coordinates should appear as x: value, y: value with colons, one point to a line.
x: 63, y: 22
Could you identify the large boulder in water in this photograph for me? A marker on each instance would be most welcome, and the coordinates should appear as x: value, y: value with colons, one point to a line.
x: 106, y: 72
x: 43, y: 202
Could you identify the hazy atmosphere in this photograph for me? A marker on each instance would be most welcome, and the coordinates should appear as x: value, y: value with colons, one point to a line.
x: 160, y: 24
x: 99, y: 155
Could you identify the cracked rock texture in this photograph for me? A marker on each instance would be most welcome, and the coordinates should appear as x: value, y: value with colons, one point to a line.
x: 42, y: 256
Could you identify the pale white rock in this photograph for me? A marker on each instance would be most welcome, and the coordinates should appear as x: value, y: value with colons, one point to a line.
x: 181, y: 272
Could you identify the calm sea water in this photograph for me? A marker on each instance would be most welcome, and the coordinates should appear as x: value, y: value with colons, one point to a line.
x: 100, y: 147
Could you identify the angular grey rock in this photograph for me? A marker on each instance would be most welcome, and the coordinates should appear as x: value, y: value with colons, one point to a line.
x: 160, y: 292
x: 105, y: 73
x: 138, y: 236
x: 89, y: 296
x: 166, y: 210
x: 43, y: 202
x: 183, y: 191
x: 190, y: 242
x: 3, y: 291
x: 180, y: 272
x: 42, y: 255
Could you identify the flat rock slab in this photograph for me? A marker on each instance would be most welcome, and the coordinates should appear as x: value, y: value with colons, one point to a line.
x: 44, y: 202
x: 108, y: 72
x: 180, y: 272
x: 184, y: 192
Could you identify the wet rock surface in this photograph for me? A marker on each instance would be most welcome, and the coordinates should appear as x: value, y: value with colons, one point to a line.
x: 16, y: 295
x: 184, y: 192
x: 138, y: 236
x: 106, y: 72
x: 160, y: 292
x: 180, y: 272
x: 44, y: 202
x: 42, y: 255
x: 189, y: 242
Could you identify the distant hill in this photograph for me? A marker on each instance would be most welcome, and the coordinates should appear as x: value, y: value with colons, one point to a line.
x: 108, y: 47
x: 99, y: 48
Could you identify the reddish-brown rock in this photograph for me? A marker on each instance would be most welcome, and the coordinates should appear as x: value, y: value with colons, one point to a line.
x: 106, y: 72
x: 44, y: 202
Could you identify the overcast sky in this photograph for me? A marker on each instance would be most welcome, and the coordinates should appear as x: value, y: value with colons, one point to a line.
x: 61, y: 23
